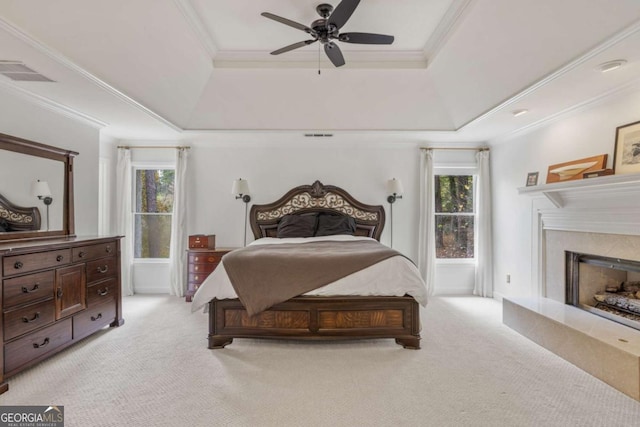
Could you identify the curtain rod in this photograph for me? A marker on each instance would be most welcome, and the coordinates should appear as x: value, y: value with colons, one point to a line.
x: 186, y: 147
x: 456, y: 148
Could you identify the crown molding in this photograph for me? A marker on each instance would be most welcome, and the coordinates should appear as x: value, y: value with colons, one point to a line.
x: 308, y: 58
x: 602, y: 47
x: 66, y: 62
x: 50, y: 105
x: 602, y: 98
x: 446, y: 27
x: 197, y: 27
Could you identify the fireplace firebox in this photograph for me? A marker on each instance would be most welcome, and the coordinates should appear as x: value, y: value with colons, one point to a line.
x: 607, y: 287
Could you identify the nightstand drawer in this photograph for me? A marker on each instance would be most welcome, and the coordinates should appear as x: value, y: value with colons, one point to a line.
x: 204, y: 258
x: 25, y: 289
x: 202, y: 268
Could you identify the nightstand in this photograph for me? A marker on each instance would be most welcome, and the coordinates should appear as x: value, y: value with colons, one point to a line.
x: 201, y: 262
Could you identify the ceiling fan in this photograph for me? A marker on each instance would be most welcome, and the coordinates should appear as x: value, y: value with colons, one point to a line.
x: 327, y: 30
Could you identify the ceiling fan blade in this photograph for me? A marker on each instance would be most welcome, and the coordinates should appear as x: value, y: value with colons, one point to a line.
x: 342, y: 13
x: 335, y: 55
x: 365, y: 38
x: 288, y: 22
x: 293, y: 46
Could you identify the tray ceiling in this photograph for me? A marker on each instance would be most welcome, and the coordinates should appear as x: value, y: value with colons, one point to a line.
x: 153, y: 69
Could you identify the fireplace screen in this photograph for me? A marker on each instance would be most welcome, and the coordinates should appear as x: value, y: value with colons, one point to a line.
x: 608, y: 287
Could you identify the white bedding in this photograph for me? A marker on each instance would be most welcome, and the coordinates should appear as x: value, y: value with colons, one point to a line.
x: 395, y: 276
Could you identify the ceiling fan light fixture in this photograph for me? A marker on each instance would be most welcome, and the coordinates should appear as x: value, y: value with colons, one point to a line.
x: 611, y: 65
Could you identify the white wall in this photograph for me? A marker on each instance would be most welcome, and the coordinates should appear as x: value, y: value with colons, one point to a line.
x: 272, y: 169
x: 23, y: 118
x: 584, y: 133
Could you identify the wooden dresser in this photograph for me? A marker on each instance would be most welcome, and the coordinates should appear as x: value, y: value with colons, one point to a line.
x: 201, y: 262
x: 54, y: 293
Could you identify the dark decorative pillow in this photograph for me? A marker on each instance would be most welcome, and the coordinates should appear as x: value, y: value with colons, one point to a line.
x: 331, y: 225
x: 297, y: 226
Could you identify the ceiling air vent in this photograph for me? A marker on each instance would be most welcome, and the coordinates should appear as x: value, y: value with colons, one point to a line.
x: 17, y: 71
x: 318, y: 135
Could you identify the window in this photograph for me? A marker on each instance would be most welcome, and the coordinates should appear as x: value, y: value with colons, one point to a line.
x: 454, y: 216
x: 153, y: 192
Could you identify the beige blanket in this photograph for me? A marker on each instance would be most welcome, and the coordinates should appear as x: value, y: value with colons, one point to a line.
x: 265, y: 275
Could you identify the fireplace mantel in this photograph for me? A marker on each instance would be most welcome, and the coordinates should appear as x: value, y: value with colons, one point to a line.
x: 587, y: 191
x: 608, y: 204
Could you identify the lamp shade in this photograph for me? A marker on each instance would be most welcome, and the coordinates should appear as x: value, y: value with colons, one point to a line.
x: 240, y: 186
x: 40, y: 189
x: 394, y: 186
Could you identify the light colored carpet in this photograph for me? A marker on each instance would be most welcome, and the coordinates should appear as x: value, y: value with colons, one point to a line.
x: 472, y: 371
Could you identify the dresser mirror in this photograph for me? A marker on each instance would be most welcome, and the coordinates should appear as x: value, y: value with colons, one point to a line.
x: 22, y: 213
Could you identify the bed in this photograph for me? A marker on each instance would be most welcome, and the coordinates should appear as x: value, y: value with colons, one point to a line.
x: 18, y: 218
x: 380, y: 301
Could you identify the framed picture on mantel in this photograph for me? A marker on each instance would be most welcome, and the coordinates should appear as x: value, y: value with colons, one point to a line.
x: 626, y: 156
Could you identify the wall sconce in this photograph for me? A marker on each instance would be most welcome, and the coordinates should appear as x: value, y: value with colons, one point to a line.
x: 41, y: 190
x: 241, y: 190
x: 394, y: 190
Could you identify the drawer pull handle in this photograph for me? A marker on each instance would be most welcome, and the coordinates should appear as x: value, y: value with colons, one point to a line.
x: 108, y: 249
x: 44, y: 343
x: 103, y: 292
x: 82, y: 254
x: 93, y: 319
x: 103, y: 270
x: 59, y: 293
x: 36, y: 317
x: 59, y: 258
x: 28, y: 291
x: 18, y: 265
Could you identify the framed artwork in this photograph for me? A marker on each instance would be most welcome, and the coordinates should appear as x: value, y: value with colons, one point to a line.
x: 568, y: 171
x: 532, y: 179
x: 626, y: 156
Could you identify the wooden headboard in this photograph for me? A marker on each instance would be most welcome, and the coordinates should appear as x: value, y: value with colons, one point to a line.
x: 19, y: 218
x: 317, y: 198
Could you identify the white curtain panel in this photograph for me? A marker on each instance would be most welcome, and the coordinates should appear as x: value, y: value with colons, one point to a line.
x: 123, y: 219
x: 178, y: 247
x: 426, y: 229
x: 484, y: 250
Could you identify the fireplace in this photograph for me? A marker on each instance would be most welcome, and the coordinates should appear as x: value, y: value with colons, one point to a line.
x: 605, y: 286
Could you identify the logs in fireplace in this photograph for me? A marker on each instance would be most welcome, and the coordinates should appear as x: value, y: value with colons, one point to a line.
x: 608, y: 287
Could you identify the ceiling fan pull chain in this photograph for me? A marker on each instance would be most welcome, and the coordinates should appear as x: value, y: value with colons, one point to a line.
x: 318, y: 58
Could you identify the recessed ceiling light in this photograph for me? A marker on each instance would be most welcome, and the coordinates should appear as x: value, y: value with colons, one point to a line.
x: 517, y: 113
x: 611, y: 65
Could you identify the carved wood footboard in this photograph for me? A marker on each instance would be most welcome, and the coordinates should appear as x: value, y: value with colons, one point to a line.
x: 319, y: 318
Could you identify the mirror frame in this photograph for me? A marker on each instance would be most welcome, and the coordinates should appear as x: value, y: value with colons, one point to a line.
x: 24, y: 146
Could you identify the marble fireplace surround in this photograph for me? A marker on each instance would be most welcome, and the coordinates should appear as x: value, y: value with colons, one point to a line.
x: 598, y: 216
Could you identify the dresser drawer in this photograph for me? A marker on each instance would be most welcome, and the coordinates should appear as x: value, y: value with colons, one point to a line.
x: 205, y: 258
x: 92, y: 319
x: 33, y: 346
x: 25, y: 289
x: 18, y: 264
x: 102, y: 292
x: 101, y: 269
x: 28, y: 318
x: 90, y: 252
